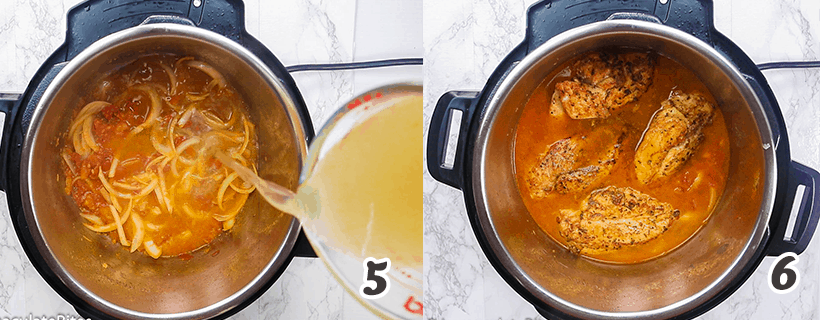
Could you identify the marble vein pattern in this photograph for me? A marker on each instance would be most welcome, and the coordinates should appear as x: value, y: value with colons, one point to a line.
x: 297, y: 32
x: 465, y: 40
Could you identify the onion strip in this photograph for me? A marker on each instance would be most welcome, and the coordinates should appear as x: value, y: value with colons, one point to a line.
x: 242, y: 190
x: 69, y: 163
x: 79, y: 144
x: 228, y: 224
x: 153, y: 162
x: 212, y: 120
x: 102, y: 229
x: 151, y: 249
x: 204, y: 67
x: 88, y: 135
x: 156, y: 104
x: 230, y: 214
x: 195, y: 97
x: 110, y: 199
x: 90, y: 109
x: 223, y: 187
x: 93, y: 218
x: 171, y: 135
x: 113, y: 191
x: 118, y: 222
x: 161, y: 148
x: 111, y: 226
x: 164, y: 190
x: 172, y: 77
x: 126, y: 186
x: 139, y: 232
x: 247, y: 138
x: 110, y: 188
x: 113, y: 168
x: 183, y: 119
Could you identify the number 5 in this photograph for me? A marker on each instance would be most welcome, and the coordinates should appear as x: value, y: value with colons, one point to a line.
x: 375, y: 273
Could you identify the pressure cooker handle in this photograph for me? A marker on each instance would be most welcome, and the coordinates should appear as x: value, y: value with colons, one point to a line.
x: 94, y: 19
x: 8, y: 106
x: 438, y: 136
x: 806, y: 211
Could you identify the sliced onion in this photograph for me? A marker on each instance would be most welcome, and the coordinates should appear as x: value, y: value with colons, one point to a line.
x: 156, y: 105
x: 223, y: 187
x: 183, y: 119
x: 93, y: 218
x: 110, y: 188
x: 102, y: 229
x: 139, y: 232
x: 151, y: 249
x: 186, y: 144
x: 228, y: 224
x: 88, y: 134
x: 204, y: 67
x: 126, y: 186
x: 197, y: 97
x: 172, y: 77
x: 230, y: 214
x: 246, y: 138
x: 212, y: 120
x: 118, y: 222
x: 161, y: 148
x: 113, y: 168
x: 69, y: 163
x: 151, y: 163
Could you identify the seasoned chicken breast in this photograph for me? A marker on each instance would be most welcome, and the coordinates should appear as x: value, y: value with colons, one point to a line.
x: 614, y: 217
x: 673, y: 135
x: 575, y: 163
x: 602, y: 83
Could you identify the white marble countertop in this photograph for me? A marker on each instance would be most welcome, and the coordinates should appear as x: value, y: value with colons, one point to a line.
x: 297, y: 32
x: 464, y: 41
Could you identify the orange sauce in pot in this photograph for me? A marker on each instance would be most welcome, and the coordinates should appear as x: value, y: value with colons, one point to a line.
x: 161, y: 113
x: 694, y: 189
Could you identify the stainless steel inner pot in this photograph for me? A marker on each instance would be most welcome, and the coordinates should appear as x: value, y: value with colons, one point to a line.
x: 660, y: 288
x: 108, y: 277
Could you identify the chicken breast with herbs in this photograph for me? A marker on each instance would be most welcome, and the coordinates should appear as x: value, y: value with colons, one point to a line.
x: 614, y: 217
x: 602, y: 83
x: 576, y: 163
x: 673, y: 135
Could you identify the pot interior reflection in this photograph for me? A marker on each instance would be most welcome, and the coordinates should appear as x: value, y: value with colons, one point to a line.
x: 662, y: 287
x: 237, y: 263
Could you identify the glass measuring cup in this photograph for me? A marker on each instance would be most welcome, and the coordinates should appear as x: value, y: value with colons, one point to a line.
x: 360, y: 196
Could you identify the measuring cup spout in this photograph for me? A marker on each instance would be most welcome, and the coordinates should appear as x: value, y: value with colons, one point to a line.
x: 278, y: 196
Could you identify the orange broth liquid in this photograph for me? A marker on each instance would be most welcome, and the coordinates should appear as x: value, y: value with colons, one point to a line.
x: 177, y: 232
x: 537, y: 130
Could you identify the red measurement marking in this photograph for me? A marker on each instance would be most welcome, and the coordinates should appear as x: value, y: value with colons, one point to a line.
x: 413, y: 306
x: 365, y: 98
x: 354, y: 104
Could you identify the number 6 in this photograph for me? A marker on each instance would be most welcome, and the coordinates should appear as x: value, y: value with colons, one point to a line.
x: 784, y: 265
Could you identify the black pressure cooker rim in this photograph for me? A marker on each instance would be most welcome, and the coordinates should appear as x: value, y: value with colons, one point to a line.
x: 81, y: 33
